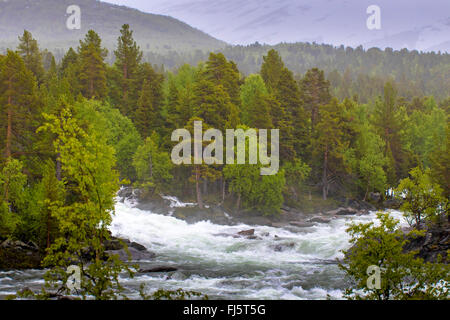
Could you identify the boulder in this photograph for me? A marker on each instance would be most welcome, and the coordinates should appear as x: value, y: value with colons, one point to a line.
x: 250, y: 232
x: 136, y: 255
x: 375, y: 196
x: 392, y: 203
x: 342, y: 212
x: 16, y: 255
x: 159, y: 269
x: 283, y: 246
x: 301, y: 224
x: 320, y: 220
x: 138, y: 246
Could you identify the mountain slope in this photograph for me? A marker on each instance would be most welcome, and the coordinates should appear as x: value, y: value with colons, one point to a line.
x: 46, y: 20
x: 414, y: 24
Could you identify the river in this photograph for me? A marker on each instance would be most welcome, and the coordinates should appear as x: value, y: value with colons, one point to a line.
x: 281, y: 264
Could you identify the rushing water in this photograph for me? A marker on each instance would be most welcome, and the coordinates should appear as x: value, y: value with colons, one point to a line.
x: 282, y: 264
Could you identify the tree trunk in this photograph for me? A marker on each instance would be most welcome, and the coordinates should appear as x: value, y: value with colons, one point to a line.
x: 205, y: 186
x: 224, y: 183
x: 238, y: 203
x: 125, y: 85
x: 91, y: 88
x: 150, y: 165
x: 9, y: 129
x: 324, y: 174
x: 8, y: 144
x: 48, y: 229
x: 197, y: 187
x: 58, y: 168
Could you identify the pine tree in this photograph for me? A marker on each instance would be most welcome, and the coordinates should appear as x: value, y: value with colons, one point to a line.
x: 329, y: 143
x: 271, y: 69
x: 128, y: 58
x: 92, y: 68
x: 214, y: 106
x: 146, y: 115
x: 388, y: 122
x: 224, y: 73
x: 255, y: 110
x: 18, y: 103
x: 295, y: 131
x: 315, y: 92
x: 69, y: 59
x: 28, y: 49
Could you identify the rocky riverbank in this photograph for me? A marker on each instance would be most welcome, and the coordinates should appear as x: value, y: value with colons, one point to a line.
x: 435, y: 242
x: 17, y: 255
x: 218, y: 214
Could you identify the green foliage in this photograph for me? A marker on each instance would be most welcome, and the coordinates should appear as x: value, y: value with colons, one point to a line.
x: 28, y: 49
x: 92, y: 68
x: 422, y: 199
x: 153, y: 166
x: 119, y: 131
x: 403, y: 276
x: 263, y: 193
x: 12, y: 184
x: 179, y: 294
x: 83, y: 218
x: 370, y: 160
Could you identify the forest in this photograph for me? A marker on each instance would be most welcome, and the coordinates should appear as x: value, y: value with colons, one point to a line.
x: 74, y: 131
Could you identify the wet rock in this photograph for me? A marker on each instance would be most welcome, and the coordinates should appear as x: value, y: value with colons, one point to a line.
x: 435, y: 242
x: 18, y: 245
x: 18, y: 255
x: 283, y: 246
x: 301, y: 224
x: 253, y: 238
x: 135, y: 255
x: 159, y: 269
x: 138, y: 246
x: 342, y: 212
x: 392, y: 203
x: 375, y: 196
x: 113, y: 244
x: 278, y: 224
x: 250, y: 232
x: 320, y: 220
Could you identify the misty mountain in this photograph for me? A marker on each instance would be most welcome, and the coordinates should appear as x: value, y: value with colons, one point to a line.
x: 411, y: 24
x: 46, y: 20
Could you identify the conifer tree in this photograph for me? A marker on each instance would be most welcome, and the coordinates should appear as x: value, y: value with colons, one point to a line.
x: 28, y: 49
x: 224, y: 73
x: 146, y: 116
x: 255, y: 110
x: 330, y: 143
x: 128, y: 58
x: 271, y: 69
x: 92, y: 68
x: 69, y: 59
x: 315, y: 92
x: 388, y: 122
x: 18, y: 103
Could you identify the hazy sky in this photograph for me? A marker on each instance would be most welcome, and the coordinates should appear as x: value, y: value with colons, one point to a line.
x: 415, y: 24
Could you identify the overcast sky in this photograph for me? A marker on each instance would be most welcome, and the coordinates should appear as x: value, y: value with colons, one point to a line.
x: 415, y: 24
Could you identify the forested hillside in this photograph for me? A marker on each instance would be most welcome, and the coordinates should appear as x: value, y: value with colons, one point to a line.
x: 351, y: 71
x: 46, y: 19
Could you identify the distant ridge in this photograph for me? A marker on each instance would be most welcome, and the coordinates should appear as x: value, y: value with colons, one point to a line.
x: 46, y: 20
